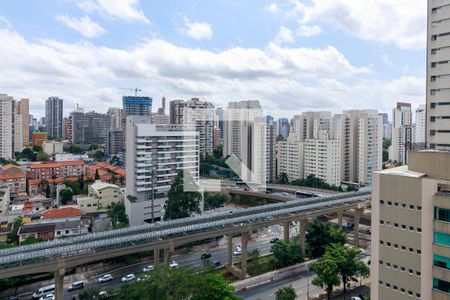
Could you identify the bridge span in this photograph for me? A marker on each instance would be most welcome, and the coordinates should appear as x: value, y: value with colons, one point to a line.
x: 59, y: 255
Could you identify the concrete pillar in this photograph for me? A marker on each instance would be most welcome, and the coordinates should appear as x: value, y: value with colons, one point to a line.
x: 286, y: 231
x: 229, y: 250
x: 339, y: 216
x: 302, y: 236
x: 245, y: 237
x: 166, y: 256
x: 59, y: 284
x: 358, y: 212
x: 156, y: 257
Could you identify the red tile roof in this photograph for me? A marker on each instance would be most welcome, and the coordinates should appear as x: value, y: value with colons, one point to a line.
x: 12, y: 176
x: 57, y: 164
x: 61, y: 213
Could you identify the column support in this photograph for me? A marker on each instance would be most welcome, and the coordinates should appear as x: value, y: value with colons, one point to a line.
x: 245, y: 237
x: 229, y: 250
x: 156, y: 257
x: 286, y: 228
x: 166, y: 256
x: 302, y: 236
x: 339, y: 216
x: 358, y: 213
x: 59, y: 284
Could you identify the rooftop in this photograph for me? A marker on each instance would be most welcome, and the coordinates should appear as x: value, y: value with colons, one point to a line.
x: 58, y: 164
x: 36, y: 227
x: 61, y: 213
x: 99, y: 185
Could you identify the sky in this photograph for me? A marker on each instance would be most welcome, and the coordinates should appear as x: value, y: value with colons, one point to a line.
x: 291, y: 55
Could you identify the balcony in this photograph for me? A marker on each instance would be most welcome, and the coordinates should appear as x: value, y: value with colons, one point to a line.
x: 441, y: 273
x: 439, y: 295
x: 442, y: 199
x: 441, y: 226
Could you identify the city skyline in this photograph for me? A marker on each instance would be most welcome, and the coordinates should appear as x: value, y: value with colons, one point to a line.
x: 127, y: 45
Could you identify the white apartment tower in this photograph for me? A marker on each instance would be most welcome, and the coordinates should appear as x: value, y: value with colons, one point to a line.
x: 155, y: 154
x: 420, y: 128
x: 361, y: 142
x: 402, y: 135
x: 290, y: 157
x: 6, y: 125
x: 438, y: 79
x: 322, y: 159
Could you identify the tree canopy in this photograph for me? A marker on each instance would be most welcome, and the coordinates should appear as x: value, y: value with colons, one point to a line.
x: 214, y: 200
x: 286, y: 253
x: 119, y: 218
x: 65, y: 195
x: 182, y: 202
x: 286, y: 293
x: 319, y: 235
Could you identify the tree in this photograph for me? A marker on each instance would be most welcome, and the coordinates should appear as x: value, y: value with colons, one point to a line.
x: 119, y: 218
x: 48, y: 192
x: 75, y: 149
x: 93, y: 147
x: 37, y: 148
x: 31, y: 240
x: 254, y: 266
x: 213, y: 286
x: 99, y: 155
x: 42, y: 156
x: 81, y: 182
x: 65, y: 195
x: 286, y: 293
x: 327, y: 275
x: 348, y: 263
x: 97, y: 176
x: 218, y: 152
x: 214, y: 201
x: 12, y: 236
x: 320, y: 235
x: 89, y: 294
x: 283, y: 178
x: 182, y: 199
x: 286, y: 253
x: 27, y: 154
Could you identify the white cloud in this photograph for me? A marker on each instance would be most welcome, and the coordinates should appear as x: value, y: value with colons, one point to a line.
x: 284, y: 35
x: 273, y: 8
x: 197, y: 30
x: 84, y: 25
x: 400, y: 22
x: 309, y: 31
x: 302, y: 78
x: 118, y: 9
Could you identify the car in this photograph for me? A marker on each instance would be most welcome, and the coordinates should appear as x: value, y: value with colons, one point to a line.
x: 128, y: 278
x: 48, y: 297
x: 102, y: 294
x: 173, y: 264
x: 148, y: 268
x: 143, y: 277
x: 216, y: 263
x: 44, y: 291
x: 273, y: 240
x: 355, y: 298
x: 284, y: 194
x: 76, y: 286
x: 350, y: 224
x: 105, y: 278
x: 237, y: 251
x: 205, y: 255
x: 14, y: 298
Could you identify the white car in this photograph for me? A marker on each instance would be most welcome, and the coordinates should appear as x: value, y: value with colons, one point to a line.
x: 128, y: 278
x: 148, y: 268
x: 102, y: 294
x: 237, y: 251
x: 48, y: 297
x: 143, y: 278
x: 355, y: 298
x: 173, y: 264
x: 285, y: 194
x: 105, y: 278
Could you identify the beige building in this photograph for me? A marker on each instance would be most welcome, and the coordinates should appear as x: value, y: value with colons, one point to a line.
x: 290, y: 157
x: 322, y: 159
x: 23, y: 109
x: 411, y: 229
x: 100, y: 196
x: 438, y: 70
x: 53, y: 147
x: 4, y: 202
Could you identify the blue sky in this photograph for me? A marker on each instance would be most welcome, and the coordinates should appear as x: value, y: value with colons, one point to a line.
x: 292, y: 55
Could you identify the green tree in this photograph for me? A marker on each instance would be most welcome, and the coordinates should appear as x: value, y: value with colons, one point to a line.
x: 65, y: 195
x: 283, y: 178
x: 218, y: 152
x: 37, y: 148
x: 81, y: 182
x: 327, y: 274
x: 285, y: 293
x: 12, y: 236
x: 97, y: 176
x: 31, y: 240
x: 182, y: 200
x: 48, y: 192
x: 42, y: 156
x: 214, y: 201
x: 320, y: 235
x: 28, y: 154
x: 386, y: 144
x: 348, y: 263
x: 93, y: 147
x: 286, y: 253
x: 255, y: 266
x: 119, y: 218
x: 89, y: 294
x: 75, y: 149
x: 99, y: 155
x: 213, y: 286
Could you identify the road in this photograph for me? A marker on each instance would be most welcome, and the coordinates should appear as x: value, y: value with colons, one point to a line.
x: 192, y: 259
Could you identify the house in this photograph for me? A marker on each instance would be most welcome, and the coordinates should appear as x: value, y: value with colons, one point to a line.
x: 107, y: 173
x: 56, y: 170
x: 100, y: 196
x: 44, y: 231
x: 4, y: 202
x: 13, y: 177
x: 5, y: 229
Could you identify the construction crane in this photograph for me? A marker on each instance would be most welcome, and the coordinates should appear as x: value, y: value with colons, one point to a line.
x: 136, y: 90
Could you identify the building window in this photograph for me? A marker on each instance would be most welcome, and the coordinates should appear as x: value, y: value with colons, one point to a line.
x: 441, y: 285
x: 441, y: 262
x: 441, y: 238
x: 442, y: 214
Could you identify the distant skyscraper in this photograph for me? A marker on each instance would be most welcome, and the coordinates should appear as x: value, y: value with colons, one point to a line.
x: 402, y: 135
x: 402, y: 115
x: 6, y: 126
x: 23, y: 109
x: 89, y: 128
x: 66, y: 127
x: 115, y: 142
x: 420, y: 130
x: 160, y: 116
x: 385, y: 117
x: 438, y: 69
x: 116, y: 115
x: 219, y: 118
x: 284, y: 127
x: 54, y: 117
x: 136, y: 106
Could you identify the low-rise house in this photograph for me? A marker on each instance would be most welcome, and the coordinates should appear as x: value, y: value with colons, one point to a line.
x: 107, y: 173
x: 44, y: 231
x: 100, y: 196
x: 13, y: 177
x: 5, y: 229
x: 56, y: 170
x: 4, y: 202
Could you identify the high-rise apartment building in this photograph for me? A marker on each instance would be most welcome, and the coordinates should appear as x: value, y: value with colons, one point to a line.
x: 23, y: 109
x: 284, y: 127
x: 66, y: 127
x: 322, y: 159
x: 220, y: 122
x: 115, y: 142
x: 160, y: 117
x: 270, y: 149
x: 54, y: 117
x: 155, y: 154
x: 361, y: 143
x: 420, y: 126
x: 116, y: 115
x: 6, y: 125
x: 88, y: 128
x: 402, y: 133
x: 438, y: 68
x: 290, y: 157
x: 200, y: 114
x: 402, y: 115
x: 309, y: 125
x: 136, y: 106
x: 410, y: 234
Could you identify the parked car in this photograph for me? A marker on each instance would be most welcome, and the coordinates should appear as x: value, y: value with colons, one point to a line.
x: 103, y: 295
x: 237, y: 251
x: 355, y: 298
x: 76, y: 286
x: 216, y: 263
x: 273, y: 240
x: 143, y: 277
x: 105, y: 278
x: 128, y: 278
x: 173, y: 264
x: 284, y: 194
x: 44, y: 291
x: 205, y: 255
x: 350, y: 224
x: 148, y: 268
x: 48, y: 297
